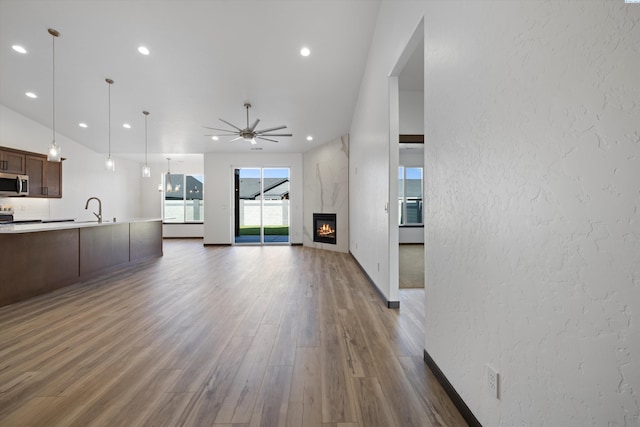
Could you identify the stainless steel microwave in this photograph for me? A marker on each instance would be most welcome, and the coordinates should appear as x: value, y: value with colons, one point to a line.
x: 14, y: 185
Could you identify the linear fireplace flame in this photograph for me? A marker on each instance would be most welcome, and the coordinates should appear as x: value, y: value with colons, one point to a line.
x: 324, y: 228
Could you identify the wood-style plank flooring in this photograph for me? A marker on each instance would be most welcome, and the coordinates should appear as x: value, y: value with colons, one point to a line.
x: 222, y: 336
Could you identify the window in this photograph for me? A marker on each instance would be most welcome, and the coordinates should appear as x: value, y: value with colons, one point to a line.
x: 410, y: 195
x: 183, y: 198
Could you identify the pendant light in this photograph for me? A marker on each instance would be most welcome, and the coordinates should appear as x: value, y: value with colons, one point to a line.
x: 110, y: 164
x: 146, y: 170
x: 167, y: 178
x: 53, y: 155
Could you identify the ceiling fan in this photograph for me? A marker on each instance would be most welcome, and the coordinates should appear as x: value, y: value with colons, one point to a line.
x: 249, y: 134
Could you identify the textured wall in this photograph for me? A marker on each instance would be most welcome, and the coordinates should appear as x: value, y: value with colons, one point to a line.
x: 326, y: 190
x: 532, y: 118
x: 534, y: 208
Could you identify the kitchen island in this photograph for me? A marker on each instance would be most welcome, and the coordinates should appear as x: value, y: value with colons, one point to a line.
x: 39, y: 258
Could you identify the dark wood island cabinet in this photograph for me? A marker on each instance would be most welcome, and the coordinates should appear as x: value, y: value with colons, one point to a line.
x: 39, y: 258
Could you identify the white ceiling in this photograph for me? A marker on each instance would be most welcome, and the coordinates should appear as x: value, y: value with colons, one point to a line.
x: 207, y: 58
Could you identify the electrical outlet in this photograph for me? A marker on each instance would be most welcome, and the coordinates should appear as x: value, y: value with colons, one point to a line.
x: 493, y: 382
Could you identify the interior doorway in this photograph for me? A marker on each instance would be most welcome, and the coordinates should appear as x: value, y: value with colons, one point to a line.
x: 406, y: 148
x: 261, y: 206
x: 406, y: 154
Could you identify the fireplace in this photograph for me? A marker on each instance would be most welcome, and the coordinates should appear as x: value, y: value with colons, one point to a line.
x: 324, y: 228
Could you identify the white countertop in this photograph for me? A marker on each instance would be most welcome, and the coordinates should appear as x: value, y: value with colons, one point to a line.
x: 50, y: 226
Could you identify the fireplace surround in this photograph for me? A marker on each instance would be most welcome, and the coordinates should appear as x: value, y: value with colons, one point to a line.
x: 324, y: 228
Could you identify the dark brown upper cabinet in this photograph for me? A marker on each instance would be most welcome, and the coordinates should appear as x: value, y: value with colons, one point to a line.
x: 45, y: 177
x: 12, y: 161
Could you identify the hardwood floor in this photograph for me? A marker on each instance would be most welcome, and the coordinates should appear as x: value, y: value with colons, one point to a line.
x: 223, y: 336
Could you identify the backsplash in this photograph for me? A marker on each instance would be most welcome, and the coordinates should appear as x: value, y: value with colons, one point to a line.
x: 27, y: 208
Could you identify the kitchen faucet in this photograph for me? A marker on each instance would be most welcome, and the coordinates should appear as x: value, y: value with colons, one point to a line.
x: 99, y: 214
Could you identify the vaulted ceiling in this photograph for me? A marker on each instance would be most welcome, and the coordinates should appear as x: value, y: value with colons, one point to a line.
x: 207, y: 58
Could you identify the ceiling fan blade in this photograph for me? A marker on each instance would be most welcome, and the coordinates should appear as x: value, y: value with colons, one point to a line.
x: 232, y: 125
x: 221, y: 130
x: 270, y: 129
x: 224, y: 134
x: 266, y: 139
x: 254, y: 125
x: 235, y: 139
x: 275, y: 134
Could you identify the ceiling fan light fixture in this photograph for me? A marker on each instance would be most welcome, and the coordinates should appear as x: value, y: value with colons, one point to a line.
x: 249, y: 133
x: 250, y: 138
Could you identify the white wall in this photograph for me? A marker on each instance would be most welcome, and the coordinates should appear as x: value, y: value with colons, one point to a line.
x: 533, y: 242
x: 83, y: 175
x: 188, y: 230
x: 369, y: 137
x: 411, y: 235
x: 411, y: 112
x: 326, y: 190
x: 218, y: 194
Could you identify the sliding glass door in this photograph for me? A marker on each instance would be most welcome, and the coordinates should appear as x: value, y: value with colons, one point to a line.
x: 261, y: 205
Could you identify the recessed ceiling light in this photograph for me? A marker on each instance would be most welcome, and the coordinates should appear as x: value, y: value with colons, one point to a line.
x: 309, y: 138
x: 31, y: 95
x: 19, y: 48
x: 143, y: 50
x: 126, y: 126
x: 215, y: 138
x: 305, y: 51
x: 82, y: 125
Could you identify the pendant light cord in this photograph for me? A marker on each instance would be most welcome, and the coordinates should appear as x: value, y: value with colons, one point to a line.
x: 53, y: 154
x: 109, y: 120
x: 145, y: 137
x: 53, y: 86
